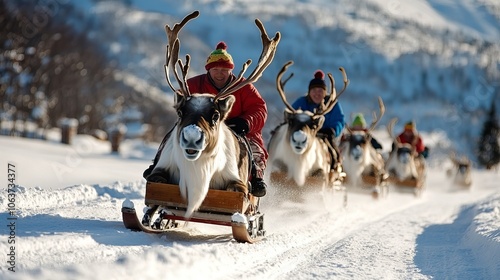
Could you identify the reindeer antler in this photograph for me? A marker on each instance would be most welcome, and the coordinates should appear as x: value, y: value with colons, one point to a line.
x: 323, y: 108
x: 172, y: 55
x: 280, y: 85
x: 390, y: 128
x: 376, y: 118
x: 326, y: 108
x: 266, y: 57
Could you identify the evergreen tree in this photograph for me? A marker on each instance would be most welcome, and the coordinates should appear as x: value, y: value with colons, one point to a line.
x: 489, y: 149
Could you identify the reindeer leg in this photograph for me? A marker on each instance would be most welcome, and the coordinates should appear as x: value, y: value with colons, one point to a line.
x: 237, y: 186
x: 159, y: 176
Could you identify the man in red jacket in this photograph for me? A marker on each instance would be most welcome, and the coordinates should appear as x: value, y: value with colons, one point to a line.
x: 247, y: 117
x: 408, y: 136
x: 249, y: 112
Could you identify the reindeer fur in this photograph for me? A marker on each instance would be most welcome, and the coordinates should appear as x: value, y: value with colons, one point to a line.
x: 463, y: 174
x: 401, y: 162
x: 359, y: 158
x: 219, y: 163
x: 300, y: 163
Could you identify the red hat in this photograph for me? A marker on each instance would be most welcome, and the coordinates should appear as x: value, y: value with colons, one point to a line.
x: 219, y: 58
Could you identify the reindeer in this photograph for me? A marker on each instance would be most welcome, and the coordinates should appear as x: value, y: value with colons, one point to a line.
x: 403, y: 164
x: 202, y: 152
x: 294, y: 146
x: 463, y: 176
x: 360, y: 159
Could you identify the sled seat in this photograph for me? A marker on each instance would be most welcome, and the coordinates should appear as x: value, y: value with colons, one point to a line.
x: 218, y: 201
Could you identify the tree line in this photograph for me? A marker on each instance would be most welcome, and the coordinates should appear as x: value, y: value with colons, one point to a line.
x: 51, y: 69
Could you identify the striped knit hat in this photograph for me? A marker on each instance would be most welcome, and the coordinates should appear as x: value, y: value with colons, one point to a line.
x: 219, y: 58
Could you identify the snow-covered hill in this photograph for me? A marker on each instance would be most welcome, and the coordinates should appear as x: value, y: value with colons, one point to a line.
x: 435, y: 62
x: 68, y: 230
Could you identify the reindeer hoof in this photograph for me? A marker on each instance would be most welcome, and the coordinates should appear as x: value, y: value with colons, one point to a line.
x: 157, y: 178
x: 237, y: 188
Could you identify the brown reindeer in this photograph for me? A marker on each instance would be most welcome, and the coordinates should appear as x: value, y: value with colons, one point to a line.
x: 360, y: 159
x: 294, y: 147
x: 201, y: 151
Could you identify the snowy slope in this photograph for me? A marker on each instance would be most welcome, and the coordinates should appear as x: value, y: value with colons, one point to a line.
x: 436, y: 62
x: 75, y: 232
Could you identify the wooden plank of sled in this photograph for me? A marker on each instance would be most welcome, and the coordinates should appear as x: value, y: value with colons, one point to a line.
x: 409, y: 183
x: 369, y: 180
x: 216, y: 200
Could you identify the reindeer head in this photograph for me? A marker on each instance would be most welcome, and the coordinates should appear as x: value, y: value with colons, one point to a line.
x: 405, y: 152
x: 304, y: 125
x: 200, y: 118
x: 462, y: 164
x: 359, y: 140
x: 202, y: 115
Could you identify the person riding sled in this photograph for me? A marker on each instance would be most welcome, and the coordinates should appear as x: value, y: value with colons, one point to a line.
x: 359, y: 124
x: 247, y: 116
x: 411, y: 136
x: 334, y: 120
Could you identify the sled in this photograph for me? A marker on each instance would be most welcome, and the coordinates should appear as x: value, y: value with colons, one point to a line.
x: 225, y: 208
x: 414, y: 185
x: 370, y: 183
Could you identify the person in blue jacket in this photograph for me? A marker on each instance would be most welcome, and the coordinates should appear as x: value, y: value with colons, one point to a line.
x: 334, y: 120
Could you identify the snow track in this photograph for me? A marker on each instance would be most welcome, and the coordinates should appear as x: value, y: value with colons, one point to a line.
x: 77, y: 232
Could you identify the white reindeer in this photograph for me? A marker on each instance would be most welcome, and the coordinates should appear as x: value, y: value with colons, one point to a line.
x: 463, y: 168
x: 404, y: 166
x: 360, y: 160
x: 202, y: 152
x: 294, y: 147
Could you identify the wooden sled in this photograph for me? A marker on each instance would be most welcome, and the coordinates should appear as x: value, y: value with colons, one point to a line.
x: 225, y: 208
x: 376, y: 187
x: 415, y: 185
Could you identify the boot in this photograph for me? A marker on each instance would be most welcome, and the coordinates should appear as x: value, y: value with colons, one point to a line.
x: 258, y: 184
x: 258, y: 187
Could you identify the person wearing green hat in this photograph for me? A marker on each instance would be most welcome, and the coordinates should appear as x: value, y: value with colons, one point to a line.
x: 359, y: 124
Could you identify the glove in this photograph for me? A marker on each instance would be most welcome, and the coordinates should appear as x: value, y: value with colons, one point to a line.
x: 238, y: 125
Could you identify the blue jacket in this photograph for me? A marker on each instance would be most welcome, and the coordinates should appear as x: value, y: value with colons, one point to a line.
x: 334, y: 119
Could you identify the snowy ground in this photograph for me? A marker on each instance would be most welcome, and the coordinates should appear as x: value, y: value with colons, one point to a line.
x: 70, y: 230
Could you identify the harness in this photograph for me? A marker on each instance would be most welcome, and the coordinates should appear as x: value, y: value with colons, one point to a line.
x: 252, y: 171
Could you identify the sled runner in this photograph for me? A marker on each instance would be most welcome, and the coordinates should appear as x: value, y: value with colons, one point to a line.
x: 225, y: 208
x: 415, y: 185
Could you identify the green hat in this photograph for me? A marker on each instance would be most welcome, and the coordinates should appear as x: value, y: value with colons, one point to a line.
x: 359, y: 122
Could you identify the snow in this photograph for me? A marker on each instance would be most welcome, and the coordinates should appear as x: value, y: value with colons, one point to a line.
x: 68, y: 198
x: 70, y: 230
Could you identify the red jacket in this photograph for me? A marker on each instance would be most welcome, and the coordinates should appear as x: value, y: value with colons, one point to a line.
x: 249, y: 105
x: 419, y: 146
